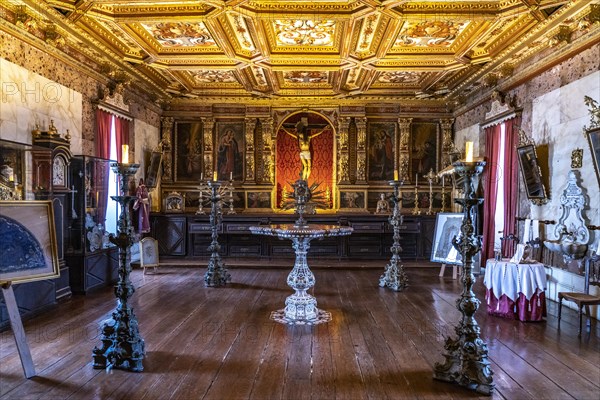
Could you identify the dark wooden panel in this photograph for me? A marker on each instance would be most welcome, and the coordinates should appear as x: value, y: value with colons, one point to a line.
x: 171, y: 233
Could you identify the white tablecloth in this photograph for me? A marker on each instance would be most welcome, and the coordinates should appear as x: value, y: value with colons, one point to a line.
x: 510, y: 279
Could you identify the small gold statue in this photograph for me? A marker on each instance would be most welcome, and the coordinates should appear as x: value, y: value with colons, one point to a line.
x: 52, y: 129
x: 383, y: 207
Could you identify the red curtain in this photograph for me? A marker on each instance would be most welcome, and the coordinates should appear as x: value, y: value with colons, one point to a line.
x: 103, y: 124
x: 122, y: 135
x: 510, y: 182
x: 492, y: 144
x: 103, y: 121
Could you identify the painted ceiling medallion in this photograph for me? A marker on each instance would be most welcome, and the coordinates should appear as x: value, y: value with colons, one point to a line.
x: 180, y: 34
x: 212, y: 76
x: 430, y: 33
x: 305, y: 77
x: 399, y: 77
x: 304, y: 32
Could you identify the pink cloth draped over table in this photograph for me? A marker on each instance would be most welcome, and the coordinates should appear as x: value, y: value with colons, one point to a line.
x: 515, y: 290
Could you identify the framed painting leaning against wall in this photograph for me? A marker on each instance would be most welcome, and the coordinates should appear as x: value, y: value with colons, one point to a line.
x: 27, y: 233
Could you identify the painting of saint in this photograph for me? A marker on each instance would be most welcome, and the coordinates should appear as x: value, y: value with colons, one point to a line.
x: 188, y: 164
x: 381, y: 151
x: 424, y: 145
x: 230, y: 160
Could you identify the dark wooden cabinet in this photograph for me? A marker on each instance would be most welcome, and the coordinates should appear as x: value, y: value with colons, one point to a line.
x: 171, y: 233
x: 94, y: 270
x: 190, y: 236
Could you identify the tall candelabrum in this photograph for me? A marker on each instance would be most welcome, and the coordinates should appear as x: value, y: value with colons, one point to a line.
x: 205, y: 194
x: 122, y: 346
x: 394, y: 276
x: 216, y: 273
x: 431, y: 177
x: 416, y: 210
x: 466, y: 356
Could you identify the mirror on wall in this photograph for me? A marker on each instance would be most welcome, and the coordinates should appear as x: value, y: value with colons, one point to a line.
x: 531, y: 173
x: 530, y: 169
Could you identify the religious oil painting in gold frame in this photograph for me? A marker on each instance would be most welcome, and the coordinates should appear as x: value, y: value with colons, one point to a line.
x: 380, y: 156
x: 28, y: 237
x: 229, y: 150
x: 258, y: 200
x: 188, y: 151
x: 425, y: 148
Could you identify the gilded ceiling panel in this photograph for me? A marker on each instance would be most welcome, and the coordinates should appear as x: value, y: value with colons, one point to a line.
x: 361, y: 48
x: 304, y: 32
x: 406, y: 77
x: 295, y: 77
x: 430, y: 33
x: 180, y: 34
x: 213, y: 76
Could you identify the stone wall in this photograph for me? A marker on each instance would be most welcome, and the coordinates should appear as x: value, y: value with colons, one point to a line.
x: 554, y: 115
x: 43, y: 68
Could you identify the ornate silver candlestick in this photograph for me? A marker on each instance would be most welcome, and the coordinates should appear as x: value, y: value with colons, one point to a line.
x: 416, y: 210
x: 466, y: 355
x: 122, y: 346
x: 430, y: 178
x: 443, y: 195
x: 216, y: 273
x: 394, y: 276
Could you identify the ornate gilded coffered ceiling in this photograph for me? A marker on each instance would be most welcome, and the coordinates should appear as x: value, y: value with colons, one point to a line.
x: 391, y: 50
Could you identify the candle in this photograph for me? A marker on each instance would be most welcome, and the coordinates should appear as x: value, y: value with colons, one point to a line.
x: 230, y: 176
x: 416, y: 178
x: 469, y: 151
x: 443, y: 181
x: 215, y: 176
x: 125, y: 154
x: 395, y: 174
x: 201, y: 176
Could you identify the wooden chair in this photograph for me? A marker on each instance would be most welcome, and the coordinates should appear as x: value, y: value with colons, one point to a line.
x: 592, y: 277
x: 149, y: 253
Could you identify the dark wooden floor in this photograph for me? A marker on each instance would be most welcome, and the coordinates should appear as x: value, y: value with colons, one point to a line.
x: 218, y: 343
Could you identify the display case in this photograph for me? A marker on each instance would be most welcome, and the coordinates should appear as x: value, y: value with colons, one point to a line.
x: 91, y: 257
x: 23, y: 173
x: 25, y: 176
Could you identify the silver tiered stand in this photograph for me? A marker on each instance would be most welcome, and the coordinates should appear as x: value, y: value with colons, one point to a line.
x: 122, y: 346
x: 301, y: 307
x: 466, y: 356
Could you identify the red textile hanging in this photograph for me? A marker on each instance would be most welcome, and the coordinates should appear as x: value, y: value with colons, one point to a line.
x: 492, y: 144
x: 510, y: 182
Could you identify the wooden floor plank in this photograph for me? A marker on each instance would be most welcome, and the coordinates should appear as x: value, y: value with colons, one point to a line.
x: 219, y: 343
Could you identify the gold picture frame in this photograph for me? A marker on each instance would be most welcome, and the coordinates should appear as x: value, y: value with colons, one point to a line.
x: 28, y: 235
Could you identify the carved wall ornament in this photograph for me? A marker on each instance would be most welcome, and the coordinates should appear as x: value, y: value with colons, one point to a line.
x: 501, y: 110
x: 572, y: 222
x: 594, y: 110
x: 577, y: 158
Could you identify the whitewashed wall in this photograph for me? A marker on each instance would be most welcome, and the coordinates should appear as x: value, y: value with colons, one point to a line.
x: 558, y: 118
x: 28, y: 99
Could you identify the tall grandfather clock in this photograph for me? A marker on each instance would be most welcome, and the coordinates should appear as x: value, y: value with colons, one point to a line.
x: 56, y: 165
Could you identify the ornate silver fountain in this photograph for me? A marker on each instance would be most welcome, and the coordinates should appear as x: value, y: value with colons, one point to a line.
x: 301, y: 307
